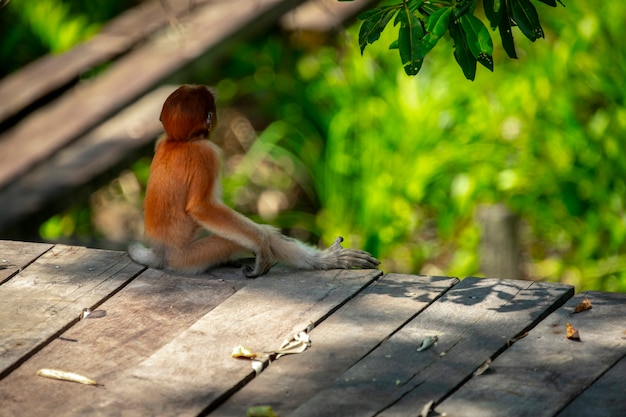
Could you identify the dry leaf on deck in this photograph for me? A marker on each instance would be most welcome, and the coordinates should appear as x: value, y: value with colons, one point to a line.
x: 84, y: 313
x: 66, y: 376
x: 244, y: 352
x: 426, y: 409
x: 257, y: 366
x: 482, y: 368
x: 298, y: 344
x: 571, y: 332
x: 516, y: 338
x: 584, y: 305
x: 428, y: 342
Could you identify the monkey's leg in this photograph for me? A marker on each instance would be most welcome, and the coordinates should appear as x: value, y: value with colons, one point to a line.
x: 201, y: 254
x: 224, y: 221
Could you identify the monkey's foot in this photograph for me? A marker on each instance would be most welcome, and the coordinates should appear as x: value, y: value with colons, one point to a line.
x: 347, y: 258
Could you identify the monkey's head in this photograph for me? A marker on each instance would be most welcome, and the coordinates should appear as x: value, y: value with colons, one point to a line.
x: 189, y: 112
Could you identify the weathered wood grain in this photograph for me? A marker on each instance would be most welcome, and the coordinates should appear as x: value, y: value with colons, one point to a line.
x: 35, y: 81
x: 194, y: 372
x: 144, y: 316
x: 605, y: 397
x: 473, y: 321
x: 338, y: 342
x: 87, y: 105
x: 324, y: 15
x: 49, y: 295
x: 545, y: 371
x: 15, y: 256
x: 95, y: 153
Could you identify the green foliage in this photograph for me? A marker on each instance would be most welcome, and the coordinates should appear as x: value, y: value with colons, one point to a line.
x: 399, y: 165
x: 424, y: 22
x: 30, y: 29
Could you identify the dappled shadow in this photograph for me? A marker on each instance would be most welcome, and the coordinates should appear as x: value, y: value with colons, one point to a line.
x: 179, y: 330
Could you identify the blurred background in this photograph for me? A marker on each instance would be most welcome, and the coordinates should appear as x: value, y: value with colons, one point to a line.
x: 519, y: 174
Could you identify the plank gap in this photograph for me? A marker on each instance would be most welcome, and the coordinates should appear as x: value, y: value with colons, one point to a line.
x: 215, y: 404
x: 589, y: 387
x: 21, y: 265
x: 555, y: 305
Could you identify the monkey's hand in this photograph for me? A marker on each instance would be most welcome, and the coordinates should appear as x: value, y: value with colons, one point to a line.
x: 344, y: 258
x: 263, y: 262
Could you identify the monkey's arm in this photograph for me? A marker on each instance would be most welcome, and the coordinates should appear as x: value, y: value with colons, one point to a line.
x: 227, y: 223
x: 300, y: 255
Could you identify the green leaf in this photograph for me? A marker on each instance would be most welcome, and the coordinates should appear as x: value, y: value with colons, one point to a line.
x: 410, y: 36
x: 462, y: 53
x: 368, y: 13
x: 477, y: 36
x: 486, y: 61
x: 526, y: 18
x: 550, y: 2
x: 438, y: 21
x: 506, y: 34
x: 374, y: 22
x: 415, y: 4
x: 401, y: 17
x: 493, y: 11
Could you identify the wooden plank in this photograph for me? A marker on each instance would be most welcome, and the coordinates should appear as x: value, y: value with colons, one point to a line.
x: 474, y: 321
x: 129, y: 327
x: 98, y: 152
x: 324, y: 15
x: 50, y: 294
x: 42, y: 77
x: 338, y: 342
x: 89, y: 104
x: 194, y: 372
x: 605, y: 397
x: 15, y: 256
x: 545, y: 371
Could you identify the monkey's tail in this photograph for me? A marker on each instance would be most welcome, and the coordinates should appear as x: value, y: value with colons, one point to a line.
x: 146, y: 256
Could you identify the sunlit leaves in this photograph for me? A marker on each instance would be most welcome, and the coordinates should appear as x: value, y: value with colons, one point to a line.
x: 424, y: 22
x: 437, y: 26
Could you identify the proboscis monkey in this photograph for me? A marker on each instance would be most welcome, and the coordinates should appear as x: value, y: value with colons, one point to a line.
x: 184, y: 196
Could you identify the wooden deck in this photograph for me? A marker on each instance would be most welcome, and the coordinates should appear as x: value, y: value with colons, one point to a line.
x: 160, y: 344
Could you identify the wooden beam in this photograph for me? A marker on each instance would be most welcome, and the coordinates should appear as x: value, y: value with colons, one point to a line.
x: 32, y: 83
x: 98, y: 151
x: 134, y: 74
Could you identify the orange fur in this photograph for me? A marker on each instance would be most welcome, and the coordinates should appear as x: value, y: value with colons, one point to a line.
x: 184, y: 196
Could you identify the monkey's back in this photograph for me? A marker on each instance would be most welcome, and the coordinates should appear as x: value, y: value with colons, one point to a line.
x: 182, y: 174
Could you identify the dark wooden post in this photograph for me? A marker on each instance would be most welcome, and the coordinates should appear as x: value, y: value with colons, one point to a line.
x: 500, y: 255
